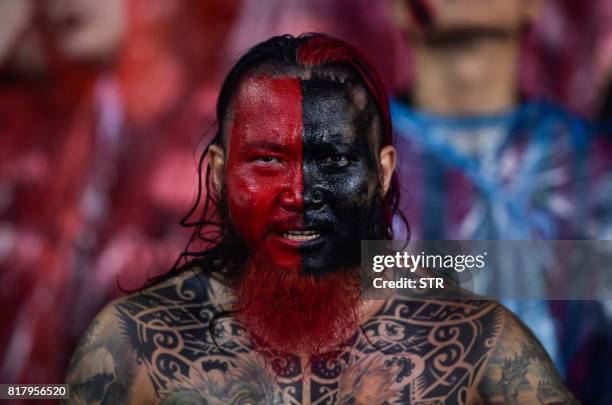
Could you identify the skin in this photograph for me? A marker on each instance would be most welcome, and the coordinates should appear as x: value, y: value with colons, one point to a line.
x: 507, y: 15
x: 264, y: 173
x: 465, y: 44
x: 160, y: 350
x: 87, y: 30
x: 16, y: 18
x: 340, y: 179
x: 168, y: 346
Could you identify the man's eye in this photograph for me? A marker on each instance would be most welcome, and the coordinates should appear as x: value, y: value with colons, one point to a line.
x: 337, y: 160
x: 267, y: 159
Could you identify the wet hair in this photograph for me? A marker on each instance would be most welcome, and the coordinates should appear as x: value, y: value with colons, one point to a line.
x: 210, y: 246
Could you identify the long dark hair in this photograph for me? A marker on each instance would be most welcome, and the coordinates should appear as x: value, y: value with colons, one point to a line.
x: 208, y: 245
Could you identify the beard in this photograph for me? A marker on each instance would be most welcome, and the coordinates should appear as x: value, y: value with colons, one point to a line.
x: 285, y: 310
x: 295, y: 309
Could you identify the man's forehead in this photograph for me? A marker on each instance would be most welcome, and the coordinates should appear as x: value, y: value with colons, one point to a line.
x: 330, y: 111
x: 328, y: 104
x: 266, y: 108
x: 267, y: 91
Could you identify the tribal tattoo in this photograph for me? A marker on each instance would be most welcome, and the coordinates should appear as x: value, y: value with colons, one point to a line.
x: 416, y: 352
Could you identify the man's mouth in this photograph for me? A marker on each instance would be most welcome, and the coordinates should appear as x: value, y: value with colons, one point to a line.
x: 301, y: 236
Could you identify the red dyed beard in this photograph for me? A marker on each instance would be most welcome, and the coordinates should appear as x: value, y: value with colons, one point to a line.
x: 287, y: 311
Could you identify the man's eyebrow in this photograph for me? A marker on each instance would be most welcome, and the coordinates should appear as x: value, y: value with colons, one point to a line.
x: 336, y: 138
x: 266, y: 144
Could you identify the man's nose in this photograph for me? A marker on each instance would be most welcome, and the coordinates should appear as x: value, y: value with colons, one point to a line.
x: 314, y: 186
x: 292, y: 198
x: 313, y: 197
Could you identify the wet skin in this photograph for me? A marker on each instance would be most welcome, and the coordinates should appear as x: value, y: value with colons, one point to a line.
x: 264, y: 176
x: 158, y: 348
x: 308, y: 167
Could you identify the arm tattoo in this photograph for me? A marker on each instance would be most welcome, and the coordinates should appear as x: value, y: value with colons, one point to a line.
x: 411, y: 352
x: 520, y: 371
x: 96, y: 373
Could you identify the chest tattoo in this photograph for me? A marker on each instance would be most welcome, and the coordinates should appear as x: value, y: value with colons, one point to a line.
x: 410, y: 352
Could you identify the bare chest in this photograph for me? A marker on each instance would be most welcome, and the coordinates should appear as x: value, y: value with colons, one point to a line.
x: 408, y: 354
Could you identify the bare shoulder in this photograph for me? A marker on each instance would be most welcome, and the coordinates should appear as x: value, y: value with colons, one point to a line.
x: 110, y: 364
x: 103, y: 368
x: 440, y: 347
x: 468, y: 352
x: 519, y: 370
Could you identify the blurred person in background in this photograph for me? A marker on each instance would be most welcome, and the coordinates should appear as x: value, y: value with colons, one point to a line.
x: 483, y: 161
x: 105, y: 122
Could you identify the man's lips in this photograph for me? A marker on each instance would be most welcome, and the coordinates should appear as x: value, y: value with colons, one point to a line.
x: 301, y: 236
x: 294, y: 234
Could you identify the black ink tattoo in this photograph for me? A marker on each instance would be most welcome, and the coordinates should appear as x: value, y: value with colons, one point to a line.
x: 414, y: 352
x: 94, y: 374
x: 520, y: 371
x: 410, y: 352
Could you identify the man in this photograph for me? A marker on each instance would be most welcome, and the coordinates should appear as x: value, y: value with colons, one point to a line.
x: 270, y: 312
x: 483, y: 162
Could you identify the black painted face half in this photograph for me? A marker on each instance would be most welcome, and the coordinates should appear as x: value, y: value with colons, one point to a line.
x: 342, y: 203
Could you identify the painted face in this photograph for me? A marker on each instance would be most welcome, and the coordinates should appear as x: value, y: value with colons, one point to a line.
x: 301, y: 174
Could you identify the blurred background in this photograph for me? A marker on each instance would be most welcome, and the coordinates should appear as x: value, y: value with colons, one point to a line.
x: 105, y: 107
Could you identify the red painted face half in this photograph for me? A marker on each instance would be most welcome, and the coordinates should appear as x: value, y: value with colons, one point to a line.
x: 264, y: 168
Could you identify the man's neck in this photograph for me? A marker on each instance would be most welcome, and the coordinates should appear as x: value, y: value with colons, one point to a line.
x: 478, y: 76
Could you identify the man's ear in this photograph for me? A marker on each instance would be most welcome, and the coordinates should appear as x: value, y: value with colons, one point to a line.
x: 387, y: 159
x: 216, y: 161
x: 532, y: 10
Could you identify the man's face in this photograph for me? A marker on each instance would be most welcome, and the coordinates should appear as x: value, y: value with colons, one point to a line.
x: 300, y: 177
x: 301, y: 173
